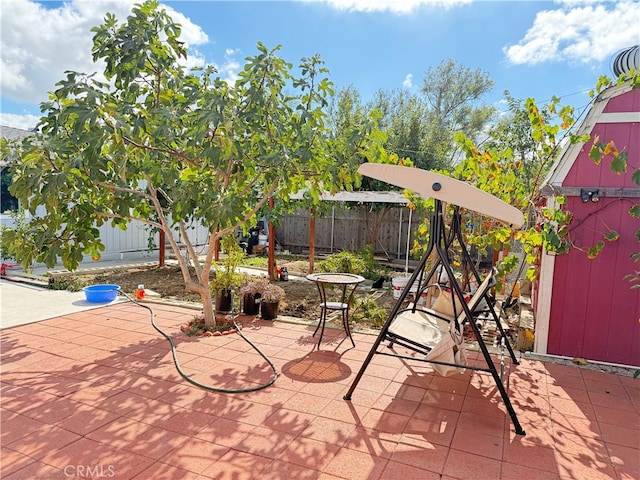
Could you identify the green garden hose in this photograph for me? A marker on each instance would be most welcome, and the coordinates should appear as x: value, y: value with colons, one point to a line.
x: 195, y: 382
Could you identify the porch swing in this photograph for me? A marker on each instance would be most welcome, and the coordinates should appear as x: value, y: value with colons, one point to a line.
x: 437, y: 336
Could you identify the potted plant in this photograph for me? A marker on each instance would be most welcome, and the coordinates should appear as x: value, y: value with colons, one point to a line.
x: 251, y: 293
x: 271, y: 296
x: 226, y: 276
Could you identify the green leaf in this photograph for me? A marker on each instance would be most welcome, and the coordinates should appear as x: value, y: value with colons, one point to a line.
x: 612, y: 236
x: 634, y: 211
x: 594, y: 251
x: 596, y: 153
x: 619, y: 163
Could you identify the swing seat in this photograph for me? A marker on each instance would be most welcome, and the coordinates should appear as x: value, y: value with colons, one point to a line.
x: 420, y: 329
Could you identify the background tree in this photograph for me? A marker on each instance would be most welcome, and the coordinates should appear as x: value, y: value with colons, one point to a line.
x: 512, y: 164
x: 453, y: 94
x: 167, y: 147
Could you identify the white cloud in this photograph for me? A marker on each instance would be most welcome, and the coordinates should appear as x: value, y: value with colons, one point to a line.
x: 24, y: 122
x: 39, y: 44
x: 579, y: 31
x: 408, y: 81
x: 395, y: 6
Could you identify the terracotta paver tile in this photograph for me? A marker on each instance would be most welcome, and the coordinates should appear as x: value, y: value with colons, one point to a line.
x: 603, y: 377
x: 526, y: 471
x: 279, y: 469
x: 463, y: 465
x: 608, y: 385
x: 309, y: 453
x: 39, y: 443
x: 120, y: 433
x: 607, y: 400
x: 235, y: 465
x: 370, y: 382
x: 328, y: 430
x: 137, y: 407
x: 453, y: 384
x: 14, y: 426
x: 568, y: 444
x: 156, y: 443
x: 615, y: 416
x: 356, y: 465
x: 195, y: 455
x: 27, y: 400
x: 440, y: 432
x: 568, y: 393
x: 384, y: 421
x: 624, y: 459
x: 12, y: 461
x: 619, y: 435
x: 86, y: 419
x: 395, y: 470
x: 373, y: 442
x: 405, y: 392
x: 365, y: 398
x: 522, y: 451
x: 397, y: 405
x: 493, y: 407
x: 487, y: 425
x: 53, y: 411
x: 304, y: 402
x: 149, y: 387
x: 225, y: 431
x: 572, y: 408
x: 426, y: 456
x: 327, y: 389
x: 264, y: 442
x: 344, y: 411
x: 91, y: 394
x: 578, y: 426
x: 449, y: 401
x: 37, y: 470
x: 478, y: 443
x: 184, y: 421
x: 162, y: 470
x: 570, y: 466
x: 90, y: 454
x: 289, y: 421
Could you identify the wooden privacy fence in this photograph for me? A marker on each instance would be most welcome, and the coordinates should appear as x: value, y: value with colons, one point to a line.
x: 344, y: 229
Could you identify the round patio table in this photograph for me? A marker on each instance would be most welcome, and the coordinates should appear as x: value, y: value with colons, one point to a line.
x: 345, y: 284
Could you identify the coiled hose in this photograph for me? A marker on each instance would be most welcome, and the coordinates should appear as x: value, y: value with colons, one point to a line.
x: 195, y: 382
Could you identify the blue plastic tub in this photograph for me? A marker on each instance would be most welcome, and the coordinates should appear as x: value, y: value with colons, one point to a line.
x: 101, y: 293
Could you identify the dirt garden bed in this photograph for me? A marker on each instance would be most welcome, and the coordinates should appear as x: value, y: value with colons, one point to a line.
x: 301, y: 296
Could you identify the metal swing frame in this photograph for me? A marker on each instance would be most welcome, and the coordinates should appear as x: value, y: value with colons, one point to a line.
x: 439, y: 241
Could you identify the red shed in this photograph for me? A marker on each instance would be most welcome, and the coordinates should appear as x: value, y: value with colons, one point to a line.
x: 585, y: 308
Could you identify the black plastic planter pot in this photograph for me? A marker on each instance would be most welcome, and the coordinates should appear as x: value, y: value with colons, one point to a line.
x: 269, y: 310
x: 224, y: 301
x: 251, y: 304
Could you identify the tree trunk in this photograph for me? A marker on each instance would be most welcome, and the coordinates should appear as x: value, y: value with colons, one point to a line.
x: 207, y: 310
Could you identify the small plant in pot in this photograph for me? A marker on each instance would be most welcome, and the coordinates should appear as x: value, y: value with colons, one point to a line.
x: 227, y: 279
x: 271, y: 297
x: 251, y: 293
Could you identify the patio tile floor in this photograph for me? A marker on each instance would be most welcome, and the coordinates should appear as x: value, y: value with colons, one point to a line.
x: 95, y: 394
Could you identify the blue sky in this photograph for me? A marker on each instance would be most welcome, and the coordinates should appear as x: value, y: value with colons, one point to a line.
x: 533, y: 49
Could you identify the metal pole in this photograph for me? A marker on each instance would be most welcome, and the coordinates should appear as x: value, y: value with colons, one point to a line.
x: 333, y: 224
x: 400, y: 236
x: 406, y: 262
